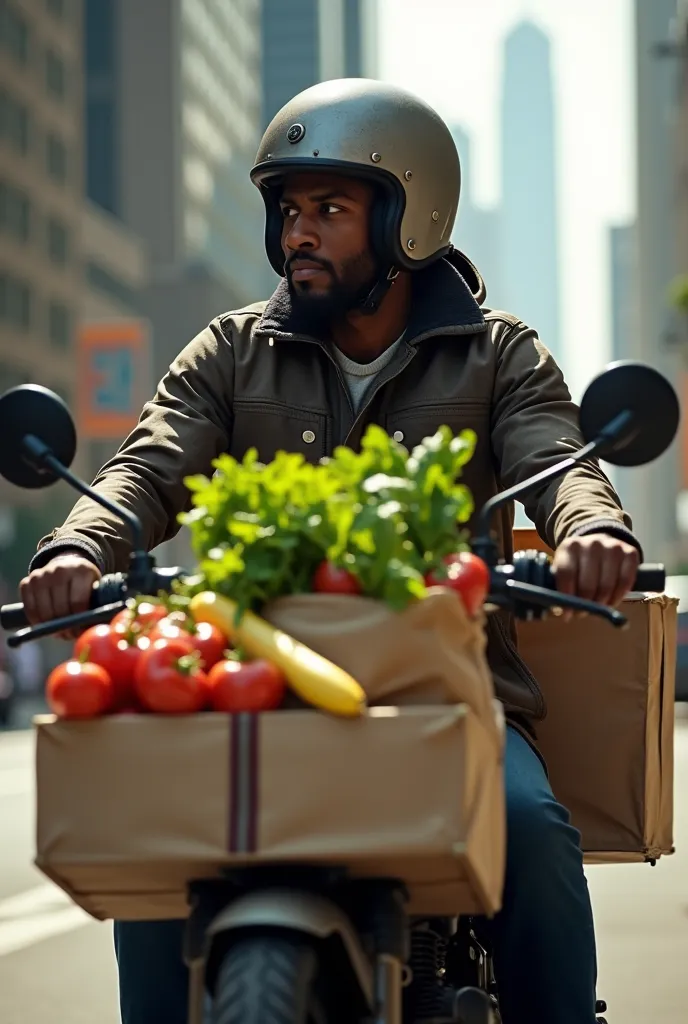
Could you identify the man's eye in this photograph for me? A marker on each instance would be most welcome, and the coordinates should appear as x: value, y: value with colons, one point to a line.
x: 330, y: 208
x: 289, y: 211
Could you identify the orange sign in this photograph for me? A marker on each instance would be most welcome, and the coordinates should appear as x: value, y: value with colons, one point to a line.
x: 113, y: 380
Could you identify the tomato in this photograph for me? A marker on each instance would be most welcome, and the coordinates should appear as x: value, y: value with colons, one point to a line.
x: 79, y: 689
x: 245, y: 685
x: 139, y: 617
x: 205, y: 638
x: 168, y: 678
x: 116, y: 652
x: 330, y: 579
x: 468, y: 575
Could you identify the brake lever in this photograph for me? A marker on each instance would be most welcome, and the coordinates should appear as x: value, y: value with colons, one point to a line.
x: 542, y: 597
x: 89, y: 618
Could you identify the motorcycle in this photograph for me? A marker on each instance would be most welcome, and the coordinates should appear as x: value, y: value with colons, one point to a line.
x: 302, y: 945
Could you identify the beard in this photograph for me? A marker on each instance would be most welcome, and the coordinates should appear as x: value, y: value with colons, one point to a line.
x: 349, y: 287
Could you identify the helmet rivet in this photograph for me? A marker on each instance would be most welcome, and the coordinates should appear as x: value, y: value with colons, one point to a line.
x: 269, y: 156
x: 435, y: 215
x: 411, y: 244
x: 316, y: 152
x: 296, y: 133
x: 408, y: 175
x: 375, y: 157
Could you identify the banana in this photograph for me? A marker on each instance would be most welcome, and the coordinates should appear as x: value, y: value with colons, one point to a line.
x: 312, y: 677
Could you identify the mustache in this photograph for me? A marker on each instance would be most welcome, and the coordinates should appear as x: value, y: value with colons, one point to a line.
x: 293, y: 261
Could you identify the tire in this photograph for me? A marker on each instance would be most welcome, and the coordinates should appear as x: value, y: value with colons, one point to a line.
x: 473, y: 1006
x: 267, y: 979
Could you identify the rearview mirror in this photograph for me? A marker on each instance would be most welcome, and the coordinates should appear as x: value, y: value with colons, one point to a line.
x: 654, y: 413
x: 32, y: 409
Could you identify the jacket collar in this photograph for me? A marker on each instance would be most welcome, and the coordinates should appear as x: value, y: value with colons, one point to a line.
x: 446, y: 300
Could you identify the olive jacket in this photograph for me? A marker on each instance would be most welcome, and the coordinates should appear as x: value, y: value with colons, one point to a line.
x: 254, y: 378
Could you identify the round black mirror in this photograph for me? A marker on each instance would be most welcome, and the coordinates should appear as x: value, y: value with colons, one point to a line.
x: 32, y: 409
x: 653, y: 406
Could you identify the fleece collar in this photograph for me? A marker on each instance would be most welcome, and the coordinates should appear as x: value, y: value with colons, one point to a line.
x: 446, y: 300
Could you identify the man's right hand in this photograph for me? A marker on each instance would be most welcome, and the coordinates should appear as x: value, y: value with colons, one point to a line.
x: 61, y: 587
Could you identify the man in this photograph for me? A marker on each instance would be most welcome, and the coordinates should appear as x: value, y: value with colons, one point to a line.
x: 378, y: 320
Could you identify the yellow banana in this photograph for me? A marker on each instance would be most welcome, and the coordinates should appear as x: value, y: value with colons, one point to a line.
x: 315, y: 679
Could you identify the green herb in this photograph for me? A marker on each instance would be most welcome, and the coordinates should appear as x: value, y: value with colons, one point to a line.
x: 260, y: 531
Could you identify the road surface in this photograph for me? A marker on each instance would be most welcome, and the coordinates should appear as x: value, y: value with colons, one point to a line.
x: 56, y: 964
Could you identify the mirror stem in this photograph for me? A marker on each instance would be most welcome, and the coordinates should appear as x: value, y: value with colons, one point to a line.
x: 483, y: 544
x: 41, y: 454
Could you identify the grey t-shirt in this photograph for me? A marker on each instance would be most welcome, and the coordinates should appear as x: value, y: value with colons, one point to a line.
x: 360, y: 376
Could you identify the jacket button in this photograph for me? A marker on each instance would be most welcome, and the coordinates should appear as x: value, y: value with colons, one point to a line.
x: 308, y: 436
x: 398, y: 435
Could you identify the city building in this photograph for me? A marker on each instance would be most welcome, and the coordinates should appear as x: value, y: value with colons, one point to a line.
x: 173, y: 120
x: 40, y: 190
x: 656, y: 487
x: 477, y: 229
x: 623, y: 312
x: 529, y: 221
x: 41, y: 186
x: 115, y: 277
x: 309, y: 41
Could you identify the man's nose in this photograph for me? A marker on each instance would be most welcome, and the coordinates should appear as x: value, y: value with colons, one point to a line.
x: 302, y: 234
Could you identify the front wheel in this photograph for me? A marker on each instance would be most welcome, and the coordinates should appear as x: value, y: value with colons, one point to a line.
x: 267, y: 979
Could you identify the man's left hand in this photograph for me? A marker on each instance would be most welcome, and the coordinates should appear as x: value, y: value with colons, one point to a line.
x: 598, y: 567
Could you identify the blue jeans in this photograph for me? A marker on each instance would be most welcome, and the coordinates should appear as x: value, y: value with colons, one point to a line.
x: 543, y: 939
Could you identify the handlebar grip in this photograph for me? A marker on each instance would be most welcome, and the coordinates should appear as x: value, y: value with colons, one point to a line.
x: 12, y: 617
x: 650, y: 579
x: 107, y: 590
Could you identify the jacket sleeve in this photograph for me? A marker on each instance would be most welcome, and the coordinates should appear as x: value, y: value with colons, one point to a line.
x: 535, y: 425
x: 186, y: 425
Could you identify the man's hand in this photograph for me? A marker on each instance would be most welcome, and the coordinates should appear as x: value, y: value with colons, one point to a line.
x: 598, y: 567
x: 62, y: 587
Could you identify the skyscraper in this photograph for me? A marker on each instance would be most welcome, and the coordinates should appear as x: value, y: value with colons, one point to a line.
x: 529, y: 245
x: 624, y: 318
x: 173, y: 114
x: 309, y: 41
x: 657, y: 101
x: 477, y: 229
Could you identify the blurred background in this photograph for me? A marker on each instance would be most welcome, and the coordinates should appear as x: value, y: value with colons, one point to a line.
x: 127, y: 222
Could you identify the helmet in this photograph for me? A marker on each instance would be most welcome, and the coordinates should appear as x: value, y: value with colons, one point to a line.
x: 375, y: 131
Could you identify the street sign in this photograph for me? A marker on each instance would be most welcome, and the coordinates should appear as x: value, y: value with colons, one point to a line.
x: 114, y: 377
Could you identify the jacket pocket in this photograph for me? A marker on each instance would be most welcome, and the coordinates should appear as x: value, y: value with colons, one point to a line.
x: 273, y: 426
x: 411, y: 425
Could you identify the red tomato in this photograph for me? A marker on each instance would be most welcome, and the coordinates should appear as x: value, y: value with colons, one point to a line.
x: 140, y: 617
x: 245, y: 685
x: 468, y: 575
x: 117, y: 653
x: 330, y: 579
x: 79, y: 689
x: 205, y: 638
x: 168, y: 679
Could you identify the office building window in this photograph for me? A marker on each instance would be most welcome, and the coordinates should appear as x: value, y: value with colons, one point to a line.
x: 15, y: 302
x: 55, y: 75
x: 56, y: 159
x: 14, y: 32
x: 11, y: 377
x: 58, y: 241
x: 116, y: 289
x: 59, y: 325
x: 58, y: 8
x: 15, y: 212
x: 14, y: 123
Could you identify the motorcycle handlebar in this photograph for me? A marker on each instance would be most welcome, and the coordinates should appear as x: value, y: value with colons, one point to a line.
x: 650, y: 578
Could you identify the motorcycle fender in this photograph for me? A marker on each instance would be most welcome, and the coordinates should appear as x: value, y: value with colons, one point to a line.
x: 299, y: 912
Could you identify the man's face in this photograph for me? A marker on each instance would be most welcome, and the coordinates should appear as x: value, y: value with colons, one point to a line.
x: 326, y: 241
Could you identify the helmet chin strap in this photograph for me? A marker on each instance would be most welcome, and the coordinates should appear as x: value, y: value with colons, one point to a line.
x: 372, y: 301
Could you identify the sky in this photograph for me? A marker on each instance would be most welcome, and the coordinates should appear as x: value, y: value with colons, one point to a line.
x: 449, y: 52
